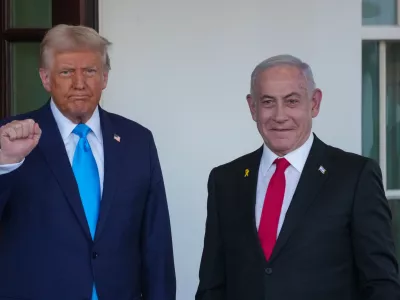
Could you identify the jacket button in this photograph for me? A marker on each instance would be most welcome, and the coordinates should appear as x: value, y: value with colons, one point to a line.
x: 268, y: 271
x: 95, y: 255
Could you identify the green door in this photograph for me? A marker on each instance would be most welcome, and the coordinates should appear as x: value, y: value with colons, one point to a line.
x: 27, y: 92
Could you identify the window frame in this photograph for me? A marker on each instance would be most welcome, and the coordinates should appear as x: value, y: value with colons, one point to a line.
x: 383, y: 34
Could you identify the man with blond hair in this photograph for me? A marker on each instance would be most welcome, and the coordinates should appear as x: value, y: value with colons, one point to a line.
x: 83, y: 210
x: 297, y: 218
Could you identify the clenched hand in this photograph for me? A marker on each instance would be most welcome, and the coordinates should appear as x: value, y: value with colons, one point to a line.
x: 17, y: 140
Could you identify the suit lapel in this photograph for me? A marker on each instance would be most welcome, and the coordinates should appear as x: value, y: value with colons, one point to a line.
x: 247, y: 196
x: 53, y: 148
x: 112, y: 153
x: 310, y: 183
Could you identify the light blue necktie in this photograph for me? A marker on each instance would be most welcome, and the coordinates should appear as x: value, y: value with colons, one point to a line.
x: 87, y: 176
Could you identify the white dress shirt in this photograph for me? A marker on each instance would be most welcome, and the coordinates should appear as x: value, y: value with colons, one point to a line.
x: 297, y: 160
x: 65, y: 126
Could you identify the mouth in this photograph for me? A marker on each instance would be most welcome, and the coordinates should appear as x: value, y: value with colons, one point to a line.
x: 281, y: 129
x: 79, y: 97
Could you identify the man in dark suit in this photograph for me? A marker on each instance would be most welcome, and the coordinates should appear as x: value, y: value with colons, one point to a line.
x: 296, y: 219
x: 82, y: 201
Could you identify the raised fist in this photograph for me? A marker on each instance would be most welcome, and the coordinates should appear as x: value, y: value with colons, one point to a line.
x: 17, y: 140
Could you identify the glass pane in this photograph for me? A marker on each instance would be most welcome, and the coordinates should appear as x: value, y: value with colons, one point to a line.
x: 370, y: 100
x: 27, y: 89
x: 379, y: 12
x: 31, y: 14
x: 393, y: 115
x: 395, y: 208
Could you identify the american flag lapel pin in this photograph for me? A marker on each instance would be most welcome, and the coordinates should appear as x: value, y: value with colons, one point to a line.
x: 117, y: 138
x: 322, y: 169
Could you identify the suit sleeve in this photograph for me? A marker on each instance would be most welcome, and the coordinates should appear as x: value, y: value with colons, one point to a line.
x: 158, y: 270
x: 212, y: 266
x: 372, y: 238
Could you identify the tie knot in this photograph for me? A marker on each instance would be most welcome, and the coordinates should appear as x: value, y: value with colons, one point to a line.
x: 81, y: 130
x: 281, y: 164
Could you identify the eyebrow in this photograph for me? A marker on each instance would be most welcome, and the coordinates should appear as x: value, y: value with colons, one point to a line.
x: 70, y: 67
x: 292, y: 94
x: 286, y: 96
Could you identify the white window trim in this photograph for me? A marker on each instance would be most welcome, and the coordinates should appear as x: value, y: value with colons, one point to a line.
x: 377, y: 33
x: 393, y: 194
x: 382, y: 34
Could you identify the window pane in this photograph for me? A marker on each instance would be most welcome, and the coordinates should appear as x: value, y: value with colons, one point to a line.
x: 395, y: 208
x: 27, y: 89
x: 31, y: 14
x: 379, y: 12
x: 370, y: 100
x: 393, y: 115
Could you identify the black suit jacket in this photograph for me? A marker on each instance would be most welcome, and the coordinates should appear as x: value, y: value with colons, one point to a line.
x: 335, y: 244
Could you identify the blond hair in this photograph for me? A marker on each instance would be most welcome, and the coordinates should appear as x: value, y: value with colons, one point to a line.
x: 65, y: 38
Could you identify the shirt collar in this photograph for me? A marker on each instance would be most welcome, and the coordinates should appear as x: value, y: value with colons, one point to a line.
x: 66, y: 126
x: 296, y: 158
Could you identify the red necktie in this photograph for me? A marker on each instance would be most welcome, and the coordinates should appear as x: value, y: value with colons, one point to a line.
x: 267, y: 230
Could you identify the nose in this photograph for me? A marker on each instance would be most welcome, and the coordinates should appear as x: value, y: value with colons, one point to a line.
x: 280, y: 115
x: 79, y: 81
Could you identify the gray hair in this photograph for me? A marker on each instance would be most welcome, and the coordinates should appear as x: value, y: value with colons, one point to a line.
x: 284, y: 59
x: 64, y: 38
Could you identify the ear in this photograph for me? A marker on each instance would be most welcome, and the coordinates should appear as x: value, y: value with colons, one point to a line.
x: 316, y: 102
x: 252, y: 106
x: 45, y: 77
x: 105, y: 79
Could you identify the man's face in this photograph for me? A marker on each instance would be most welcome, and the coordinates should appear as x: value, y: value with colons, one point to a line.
x: 76, y: 81
x: 283, y: 108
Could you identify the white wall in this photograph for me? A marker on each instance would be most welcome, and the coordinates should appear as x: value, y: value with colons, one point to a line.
x: 182, y: 69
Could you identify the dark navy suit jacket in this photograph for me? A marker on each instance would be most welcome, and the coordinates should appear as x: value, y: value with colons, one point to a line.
x: 46, y: 251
